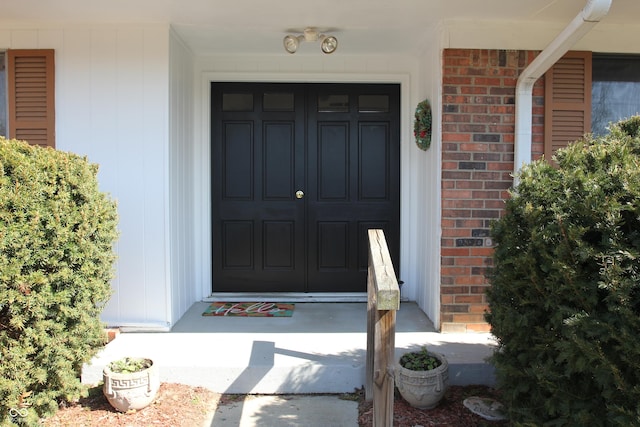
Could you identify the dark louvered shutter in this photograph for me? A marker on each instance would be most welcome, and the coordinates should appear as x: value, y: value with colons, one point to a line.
x: 31, y: 81
x: 567, y: 114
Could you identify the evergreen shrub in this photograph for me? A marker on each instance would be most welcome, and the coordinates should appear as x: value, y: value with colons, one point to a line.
x: 565, y: 297
x: 57, y: 233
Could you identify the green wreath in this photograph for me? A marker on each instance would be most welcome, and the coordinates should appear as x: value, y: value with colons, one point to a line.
x: 422, y: 125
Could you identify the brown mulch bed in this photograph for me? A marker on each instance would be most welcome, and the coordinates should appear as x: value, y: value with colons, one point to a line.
x: 450, y: 412
x: 179, y: 405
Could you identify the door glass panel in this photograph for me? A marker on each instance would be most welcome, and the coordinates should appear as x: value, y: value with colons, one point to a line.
x: 237, y: 102
x: 373, y: 103
x: 278, y: 102
x: 333, y: 103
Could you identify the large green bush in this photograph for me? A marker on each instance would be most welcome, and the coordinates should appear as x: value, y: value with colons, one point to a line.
x: 57, y: 232
x: 565, y: 297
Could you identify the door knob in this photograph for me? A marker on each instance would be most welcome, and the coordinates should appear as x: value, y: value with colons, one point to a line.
x: 299, y: 194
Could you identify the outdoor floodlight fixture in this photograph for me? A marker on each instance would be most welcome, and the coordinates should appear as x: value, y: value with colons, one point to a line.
x: 328, y: 44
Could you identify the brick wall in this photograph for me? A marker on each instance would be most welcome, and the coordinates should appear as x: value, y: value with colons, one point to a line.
x: 478, y: 117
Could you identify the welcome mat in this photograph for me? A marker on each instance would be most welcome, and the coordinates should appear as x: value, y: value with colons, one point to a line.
x: 250, y: 309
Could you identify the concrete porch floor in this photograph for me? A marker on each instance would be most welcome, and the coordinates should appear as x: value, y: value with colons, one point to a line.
x: 320, y: 349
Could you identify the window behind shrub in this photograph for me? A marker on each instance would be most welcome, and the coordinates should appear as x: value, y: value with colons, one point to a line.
x: 615, y: 90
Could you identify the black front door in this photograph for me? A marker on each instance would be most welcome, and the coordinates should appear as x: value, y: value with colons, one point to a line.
x: 300, y: 172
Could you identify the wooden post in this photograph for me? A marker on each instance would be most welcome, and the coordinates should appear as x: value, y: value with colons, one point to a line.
x: 383, y: 299
x: 371, y: 333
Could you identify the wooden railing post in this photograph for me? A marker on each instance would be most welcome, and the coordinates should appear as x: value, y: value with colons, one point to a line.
x: 383, y: 300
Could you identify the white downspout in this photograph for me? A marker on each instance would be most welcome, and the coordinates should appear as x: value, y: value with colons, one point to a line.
x: 590, y: 15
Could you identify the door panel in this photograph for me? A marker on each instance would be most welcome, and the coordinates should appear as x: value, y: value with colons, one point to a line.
x: 353, y: 182
x: 237, y: 241
x: 258, y: 234
x: 237, y: 146
x: 338, y: 145
x: 374, y: 181
x: 279, y: 161
x: 333, y: 161
x: 279, y: 245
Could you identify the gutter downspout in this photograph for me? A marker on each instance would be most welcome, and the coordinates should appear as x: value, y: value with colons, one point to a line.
x: 590, y: 15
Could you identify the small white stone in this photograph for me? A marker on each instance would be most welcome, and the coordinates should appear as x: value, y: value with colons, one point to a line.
x: 487, y: 408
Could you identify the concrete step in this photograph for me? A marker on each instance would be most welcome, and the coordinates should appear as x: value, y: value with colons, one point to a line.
x: 321, y: 349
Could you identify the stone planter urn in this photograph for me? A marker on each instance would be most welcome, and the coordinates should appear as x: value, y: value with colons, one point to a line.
x: 130, y: 383
x: 422, y: 388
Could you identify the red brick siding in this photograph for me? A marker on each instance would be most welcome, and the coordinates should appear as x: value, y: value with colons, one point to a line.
x: 478, y: 124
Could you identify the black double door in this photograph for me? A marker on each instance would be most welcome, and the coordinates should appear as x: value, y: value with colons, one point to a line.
x: 300, y: 172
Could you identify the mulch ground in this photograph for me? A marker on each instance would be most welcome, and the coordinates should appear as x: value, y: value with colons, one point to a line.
x: 450, y: 412
x: 179, y: 405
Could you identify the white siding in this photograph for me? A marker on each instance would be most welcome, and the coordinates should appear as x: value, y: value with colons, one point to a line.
x: 112, y: 86
x: 427, y: 170
x: 181, y: 169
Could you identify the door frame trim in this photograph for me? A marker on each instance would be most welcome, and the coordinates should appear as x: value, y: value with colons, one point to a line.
x: 287, y: 296
x: 203, y: 182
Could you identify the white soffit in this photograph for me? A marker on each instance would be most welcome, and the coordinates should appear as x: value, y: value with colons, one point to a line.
x: 257, y: 26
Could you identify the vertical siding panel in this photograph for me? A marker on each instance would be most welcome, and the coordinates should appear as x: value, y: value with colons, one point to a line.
x: 112, y: 106
x: 135, y: 70
x: 5, y: 39
x: 154, y: 121
x: 131, y: 160
x: 74, y: 92
x: 422, y: 214
x: 24, y: 39
x: 181, y: 178
x: 50, y: 39
x: 103, y: 107
x: 128, y: 146
x: 101, y: 149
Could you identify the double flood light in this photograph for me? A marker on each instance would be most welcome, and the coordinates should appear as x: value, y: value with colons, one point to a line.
x: 328, y: 44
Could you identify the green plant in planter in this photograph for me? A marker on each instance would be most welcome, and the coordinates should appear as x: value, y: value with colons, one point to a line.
x: 420, y: 360
x: 130, y: 383
x: 129, y: 365
x: 422, y: 378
